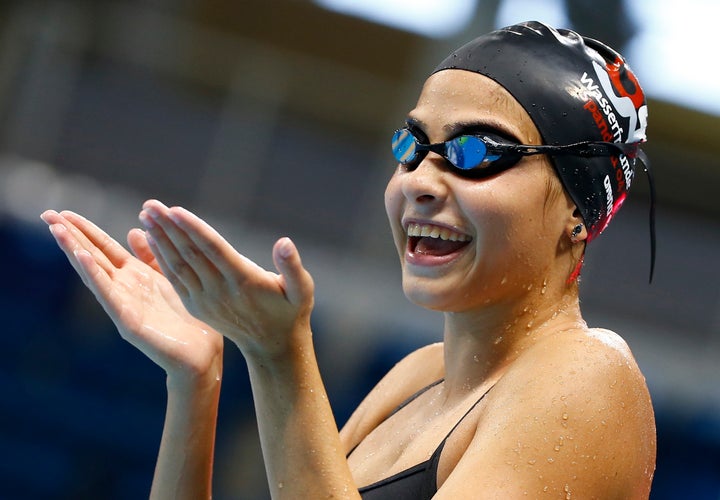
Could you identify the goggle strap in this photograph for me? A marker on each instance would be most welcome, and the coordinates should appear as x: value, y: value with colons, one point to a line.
x: 586, y: 149
x: 651, y: 183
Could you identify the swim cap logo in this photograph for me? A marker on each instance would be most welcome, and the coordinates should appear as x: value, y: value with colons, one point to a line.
x: 610, y: 201
x: 619, y: 99
x: 618, y: 108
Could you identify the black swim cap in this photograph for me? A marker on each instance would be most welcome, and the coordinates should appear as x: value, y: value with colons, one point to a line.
x: 575, y: 89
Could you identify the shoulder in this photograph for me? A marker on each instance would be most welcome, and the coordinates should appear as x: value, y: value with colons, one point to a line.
x: 577, y: 361
x: 415, y: 371
x: 588, y: 380
x: 573, y: 410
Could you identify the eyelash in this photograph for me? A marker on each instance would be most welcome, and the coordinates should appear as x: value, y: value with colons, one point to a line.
x: 494, y: 134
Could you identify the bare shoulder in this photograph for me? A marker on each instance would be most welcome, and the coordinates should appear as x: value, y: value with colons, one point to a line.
x: 415, y: 371
x: 571, y: 416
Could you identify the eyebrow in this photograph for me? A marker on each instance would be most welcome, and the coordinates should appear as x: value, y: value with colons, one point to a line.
x: 468, y: 128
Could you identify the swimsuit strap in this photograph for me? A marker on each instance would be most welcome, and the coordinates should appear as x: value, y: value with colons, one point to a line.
x: 442, y: 444
x: 401, y: 406
x: 434, y: 460
x: 419, y: 481
x: 414, y: 397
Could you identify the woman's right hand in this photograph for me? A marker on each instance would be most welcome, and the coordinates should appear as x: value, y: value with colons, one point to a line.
x: 140, y: 301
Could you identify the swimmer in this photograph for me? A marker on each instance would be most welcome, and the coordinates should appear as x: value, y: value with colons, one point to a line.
x: 520, y: 150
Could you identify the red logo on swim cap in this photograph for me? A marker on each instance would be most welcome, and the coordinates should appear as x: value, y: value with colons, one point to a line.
x: 624, y: 82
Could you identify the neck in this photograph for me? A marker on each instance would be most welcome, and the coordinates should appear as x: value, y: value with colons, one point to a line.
x: 480, y: 344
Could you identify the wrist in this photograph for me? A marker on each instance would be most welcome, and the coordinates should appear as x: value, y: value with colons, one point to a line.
x: 293, y: 350
x: 277, y: 344
x: 198, y: 379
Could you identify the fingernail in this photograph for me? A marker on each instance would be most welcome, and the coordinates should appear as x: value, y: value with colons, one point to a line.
x: 81, y: 251
x: 146, y: 219
x: 285, y: 249
x: 173, y: 216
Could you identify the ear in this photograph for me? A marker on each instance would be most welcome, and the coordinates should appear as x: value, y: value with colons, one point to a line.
x: 575, y: 228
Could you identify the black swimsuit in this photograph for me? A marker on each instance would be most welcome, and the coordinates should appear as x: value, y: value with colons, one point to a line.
x: 418, y: 482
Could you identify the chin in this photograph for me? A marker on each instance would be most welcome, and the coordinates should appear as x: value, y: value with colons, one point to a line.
x: 429, y: 295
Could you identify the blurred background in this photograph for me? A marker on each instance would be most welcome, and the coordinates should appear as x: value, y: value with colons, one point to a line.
x: 273, y: 118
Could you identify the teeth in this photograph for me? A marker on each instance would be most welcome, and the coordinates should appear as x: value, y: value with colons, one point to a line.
x: 427, y: 230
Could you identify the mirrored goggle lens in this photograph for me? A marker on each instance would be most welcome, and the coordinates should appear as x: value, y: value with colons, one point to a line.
x: 465, y: 152
x: 404, y: 146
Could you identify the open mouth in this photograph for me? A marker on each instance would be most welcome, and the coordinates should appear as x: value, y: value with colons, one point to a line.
x: 436, y: 241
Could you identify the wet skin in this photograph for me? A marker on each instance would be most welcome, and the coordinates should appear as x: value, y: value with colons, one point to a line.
x: 560, y: 390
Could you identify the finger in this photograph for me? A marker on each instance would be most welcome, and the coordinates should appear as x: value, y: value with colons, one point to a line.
x: 174, y: 266
x: 234, y: 267
x: 86, y: 266
x: 137, y: 241
x: 115, y: 252
x: 296, y: 281
x: 69, y: 246
x: 92, y: 238
x: 165, y: 269
x: 71, y: 239
x: 95, y: 278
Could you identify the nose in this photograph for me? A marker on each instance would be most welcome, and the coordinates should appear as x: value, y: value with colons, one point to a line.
x: 426, y: 184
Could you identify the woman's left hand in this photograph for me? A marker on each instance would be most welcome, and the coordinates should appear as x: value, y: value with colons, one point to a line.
x: 260, y: 311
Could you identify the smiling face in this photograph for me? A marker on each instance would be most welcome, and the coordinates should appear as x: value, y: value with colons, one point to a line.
x: 465, y: 243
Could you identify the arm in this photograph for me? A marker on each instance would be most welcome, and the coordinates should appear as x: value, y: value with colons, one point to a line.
x: 149, y: 315
x: 267, y: 316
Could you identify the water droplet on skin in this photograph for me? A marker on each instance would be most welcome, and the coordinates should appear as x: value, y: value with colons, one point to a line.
x: 550, y: 460
x: 564, y: 416
x: 504, y: 280
x: 498, y: 340
x: 532, y: 461
x: 280, y: 485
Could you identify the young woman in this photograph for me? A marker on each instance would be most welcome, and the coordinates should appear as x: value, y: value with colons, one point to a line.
x: 520, y: 150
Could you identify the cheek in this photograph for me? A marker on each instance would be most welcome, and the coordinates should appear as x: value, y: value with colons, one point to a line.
x: 393, y: 200
x: 510, y: 217
x: 489, y: 207
x: 393, y: 206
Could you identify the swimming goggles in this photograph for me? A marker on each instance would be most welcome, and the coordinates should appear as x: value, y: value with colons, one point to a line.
x: 484, y: 155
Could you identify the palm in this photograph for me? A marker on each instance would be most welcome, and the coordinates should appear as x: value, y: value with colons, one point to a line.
x: 149, y: 314
x: 139, y: 300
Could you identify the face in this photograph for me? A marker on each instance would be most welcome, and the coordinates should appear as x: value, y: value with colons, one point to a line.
x: 465, y: 243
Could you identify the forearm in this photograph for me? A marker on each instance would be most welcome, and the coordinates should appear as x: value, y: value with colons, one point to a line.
x: 300, y: 441
x: 185, y: 459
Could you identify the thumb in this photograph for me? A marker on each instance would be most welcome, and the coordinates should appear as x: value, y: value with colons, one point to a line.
x: 138, y: 244
x: 296, y: 281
